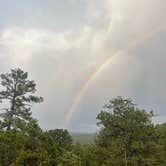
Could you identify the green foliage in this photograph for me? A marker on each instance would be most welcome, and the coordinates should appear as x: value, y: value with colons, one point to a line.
x: 126, y: 137
x: 128, y: 134
x: 8, y: 146
x: 160, y: 131
x: 69, y: 159
x: 62, y: 138
x: 17, y: 92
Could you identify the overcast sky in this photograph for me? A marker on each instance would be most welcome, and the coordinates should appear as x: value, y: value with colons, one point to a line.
x: 65, y: 43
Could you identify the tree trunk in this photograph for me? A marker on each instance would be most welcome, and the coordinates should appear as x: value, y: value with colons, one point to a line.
x: 9, y: 125
x: 12, y: 108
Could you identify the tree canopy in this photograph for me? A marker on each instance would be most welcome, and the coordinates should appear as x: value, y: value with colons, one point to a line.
x: 17, y: 92
x: 126, y: 133
x: 126, y: 137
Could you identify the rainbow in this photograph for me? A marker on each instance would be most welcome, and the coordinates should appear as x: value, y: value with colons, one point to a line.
x: 129, y: 46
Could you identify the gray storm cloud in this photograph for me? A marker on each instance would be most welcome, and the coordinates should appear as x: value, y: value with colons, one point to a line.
x: 61, y: 46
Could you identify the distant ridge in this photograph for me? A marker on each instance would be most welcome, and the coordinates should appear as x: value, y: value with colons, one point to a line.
x: 83, y: 138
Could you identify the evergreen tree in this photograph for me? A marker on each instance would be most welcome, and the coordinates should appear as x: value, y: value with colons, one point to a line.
x: 127, y: 134
x: 17, y: 94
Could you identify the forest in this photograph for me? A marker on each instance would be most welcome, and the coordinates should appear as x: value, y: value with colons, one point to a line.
x: 127, y: 135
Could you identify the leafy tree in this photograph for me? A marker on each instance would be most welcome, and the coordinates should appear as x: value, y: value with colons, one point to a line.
x: 7, y: 148
x: 69, y: 159
x: 31, y: 158
x: 62, y: 138
x: 17, y: 92
x: 127, y: 133
x: 93, y: 155
x: 160, y: 131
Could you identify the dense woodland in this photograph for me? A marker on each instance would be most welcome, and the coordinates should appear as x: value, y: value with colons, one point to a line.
x: 127, y: 136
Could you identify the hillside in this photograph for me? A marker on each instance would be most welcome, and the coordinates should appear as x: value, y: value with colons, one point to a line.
x: 83, y: 138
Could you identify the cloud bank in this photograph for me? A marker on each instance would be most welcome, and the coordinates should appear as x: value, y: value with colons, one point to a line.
x: 62, y: 43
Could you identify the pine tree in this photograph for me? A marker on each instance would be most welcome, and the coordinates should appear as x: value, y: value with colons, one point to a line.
x: 127, y: 134
x: 17, y: 95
